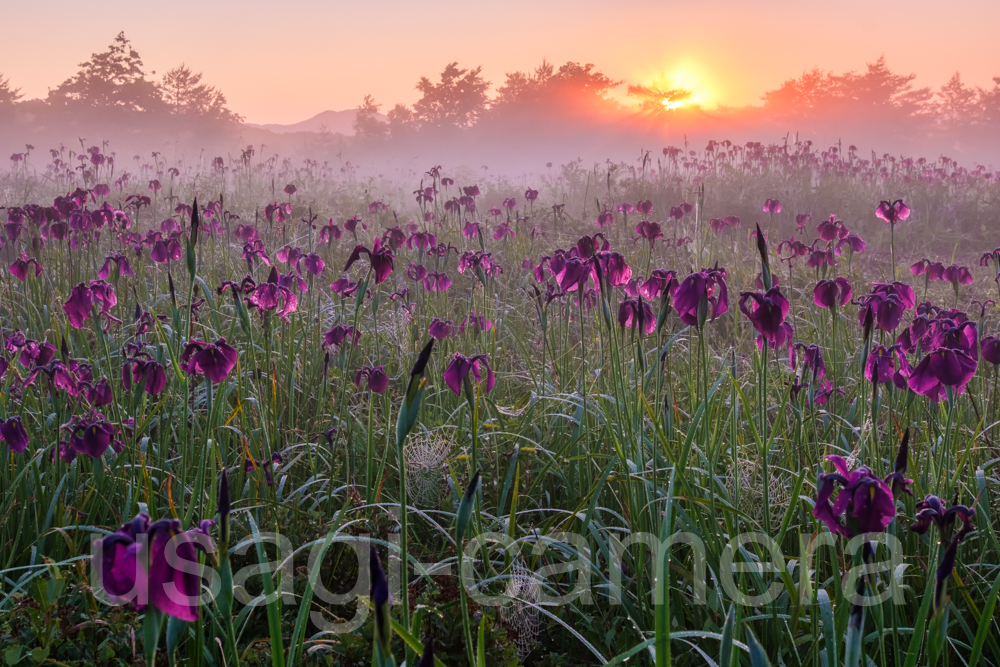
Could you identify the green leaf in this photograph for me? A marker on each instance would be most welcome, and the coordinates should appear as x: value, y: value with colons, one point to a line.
x: 12, y: 655
x: 175, y: 632
x: 758, y: 658
x: 728, y: 631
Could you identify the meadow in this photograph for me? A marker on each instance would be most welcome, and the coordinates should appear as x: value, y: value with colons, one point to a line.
x: 733, y: 405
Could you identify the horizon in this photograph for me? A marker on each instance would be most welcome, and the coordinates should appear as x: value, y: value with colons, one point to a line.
x: 277, y: 83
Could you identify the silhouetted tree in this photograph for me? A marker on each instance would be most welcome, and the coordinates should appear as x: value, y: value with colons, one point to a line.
x: 8, y: 96
x: 367, y: 124
x: 457, y: 101
x: 186, y: 95
x: 989, y: 100
x: 878, y: 92
x: 113, y: 79
x: 401, y: 121
x: 548, y: 93
x: 804, y: 97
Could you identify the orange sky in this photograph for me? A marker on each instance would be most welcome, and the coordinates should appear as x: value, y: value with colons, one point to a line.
x: 284, y: 63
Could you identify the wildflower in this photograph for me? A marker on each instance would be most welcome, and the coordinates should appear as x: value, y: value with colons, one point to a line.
x: 504, y: 230
x: 661, y: 283
x: 636, y: 314
x: 649, y: 231
x: 314, y: 264
x: 416, y: 272
x: 832, y: 293
x: 471, y: 230
x: 865, y: 504
x: 381, y: 259
x: 440, y: 329
x: 436, y: 281
x: 271, y: 295
x: 772, y: 206
x: 852, y: 241
x: 82, y: 299
x: 991, y: 349
x: 19, y: 269
x: 338, y: 334
x: 137, y: 567
x: 457, y: 373
x: 698, y: 292
x: 378, y: 381
x: 892, y: 213
x: 476, y: 321
x: 344, y: 287
x: 214, y: 360
x: 12, y: 432
x: 92, y: 437
x: 121, y: 263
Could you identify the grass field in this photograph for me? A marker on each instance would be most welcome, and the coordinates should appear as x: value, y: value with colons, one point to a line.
x: 594, y: 393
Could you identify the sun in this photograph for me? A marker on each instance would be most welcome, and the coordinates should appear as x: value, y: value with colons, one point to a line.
x: 683, y: 86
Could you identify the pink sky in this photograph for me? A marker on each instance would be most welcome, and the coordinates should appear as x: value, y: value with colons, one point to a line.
x: 284, y: 62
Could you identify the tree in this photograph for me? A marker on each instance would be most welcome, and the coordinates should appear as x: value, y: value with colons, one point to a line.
x: 113, y: 79
x: 459, y: 100
x: 550, y: 93
x: 990, y: 102
x: 879, y: 92
x: 805, y: 97
x: 8, y: 96
x: 367, y: 124
x: 401, y: 121
x: 186, y: 95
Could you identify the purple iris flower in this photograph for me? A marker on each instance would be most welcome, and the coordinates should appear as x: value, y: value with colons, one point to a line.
x: 437, y: 281
x: 931, y: 511
x: 865, y: 504
x: 991, y: 349
x: 151, y: 373
x: 98, y: 394
x: 380, y: 257
x: 832, y: 293
x: 504, y: 230
x: 636, y: 314
x: 772, y: 206
x: 812, y: 360
x: 214, y: 360
x: 925, y: 267
x: 951, y: 361
x: 440, y: 329
x: 880, y: 360
x: 338, y: 334
x: 19, y: 269
x: 471, y: 230
x: 138, y: 567
x: 314, y: 264
x: 421, y: 240
x: 649, y: 231
x: 661, y: 282
x: 706, y: 290
x: 120, y: 260
x: 476, y: 322
x: 272, y: 295
x: 832, y: 229
x: 958, y: 275
x: 344, y: 287
x: 458, y: 371
x: 616, y: 269
x: 378, y: 381
x: 82, y: 299
x: 767, y: 313
x: 416, y: 272
x: 852, y: 241
x: 12, y: 432
x: 166, y: 251
x: 892, y: 213
x: 92, y: 438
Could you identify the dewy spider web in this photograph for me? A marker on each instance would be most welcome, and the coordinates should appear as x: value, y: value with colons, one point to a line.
x: 523, y: 588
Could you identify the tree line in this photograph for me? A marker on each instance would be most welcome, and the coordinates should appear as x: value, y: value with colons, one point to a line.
x: 115, y: 80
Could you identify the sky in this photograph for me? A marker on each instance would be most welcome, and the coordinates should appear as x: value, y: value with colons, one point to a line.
x: 285, y: 62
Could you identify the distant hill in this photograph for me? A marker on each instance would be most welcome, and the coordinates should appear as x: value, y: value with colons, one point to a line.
x: 334, y: 122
